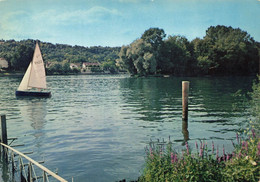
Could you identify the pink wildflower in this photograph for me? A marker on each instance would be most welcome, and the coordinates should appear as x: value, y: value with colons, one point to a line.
x: 201, y: 152
x: 219, y: 159
x: 243, y: 145
x: 246, y: 146
x: 240, y: 155
x: 258, y: 147
x: 151, y: 151
x: 217, y: 153
x: 175, y: 158
x: 172, y: 158
x: 223, y: 150
x: 187, y: 148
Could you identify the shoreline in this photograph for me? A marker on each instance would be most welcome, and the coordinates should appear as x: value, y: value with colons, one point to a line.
x: 22, y: 73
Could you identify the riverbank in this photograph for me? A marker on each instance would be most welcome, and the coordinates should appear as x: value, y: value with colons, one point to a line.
x: 11, y: 73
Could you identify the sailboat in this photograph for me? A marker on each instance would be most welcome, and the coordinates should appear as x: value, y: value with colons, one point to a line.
x: 34, y: 80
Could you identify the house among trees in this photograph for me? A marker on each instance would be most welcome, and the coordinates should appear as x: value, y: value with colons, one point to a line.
x: 86, y: 65
x: 90, y: 67
x: 75, y: 66
x: 3, y: 64
x: 47, y: 64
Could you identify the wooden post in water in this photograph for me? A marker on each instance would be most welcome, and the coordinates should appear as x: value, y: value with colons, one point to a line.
x: 185, y: 131
x: 185, y: 95
x: 3, y: 129
x: 3, y: 136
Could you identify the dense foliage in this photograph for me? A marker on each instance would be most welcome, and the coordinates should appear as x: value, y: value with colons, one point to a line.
x: 223, y: 51
x: 19, y: 53
x: 205, y: 164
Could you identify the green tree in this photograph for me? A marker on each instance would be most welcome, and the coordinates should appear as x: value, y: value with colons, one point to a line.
x: 141, y: 56
x: 66, y: 67
x: 124, y: 62
x: 138, y: 58
x: 228, y: 51
x: 154, y: 36
x: 177, y: 56
x: 21, y: 58
x: 109, y: 65
x: 55, y: 68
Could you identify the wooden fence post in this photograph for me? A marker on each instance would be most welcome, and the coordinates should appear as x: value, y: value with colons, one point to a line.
x: 4, y: 136
x: 3, y: 129
x: 185, y: 95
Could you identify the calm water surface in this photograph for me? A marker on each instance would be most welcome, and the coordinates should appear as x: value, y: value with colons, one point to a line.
x: 95, y: 128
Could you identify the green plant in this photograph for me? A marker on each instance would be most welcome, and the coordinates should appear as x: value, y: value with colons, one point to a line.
x: 244, y: 166
x: 165, y: 164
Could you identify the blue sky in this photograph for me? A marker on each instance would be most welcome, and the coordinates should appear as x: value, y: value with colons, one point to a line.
x: 120, y: 22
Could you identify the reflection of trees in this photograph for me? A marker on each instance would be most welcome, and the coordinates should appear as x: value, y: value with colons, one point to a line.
x: 159, y: 99
x: 216, y: 95
x: 154, y: 99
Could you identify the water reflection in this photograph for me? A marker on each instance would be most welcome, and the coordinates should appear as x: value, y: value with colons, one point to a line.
x: 5, y: 173
x: 153, y: 99
x: 34, y: 110
x: 95, y: 127
x: 159, y: 99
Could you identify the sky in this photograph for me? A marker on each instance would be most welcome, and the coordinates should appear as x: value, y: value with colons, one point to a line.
x: 120, y: 22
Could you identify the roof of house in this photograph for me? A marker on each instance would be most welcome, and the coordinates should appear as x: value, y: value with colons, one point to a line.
x: 90, y: 64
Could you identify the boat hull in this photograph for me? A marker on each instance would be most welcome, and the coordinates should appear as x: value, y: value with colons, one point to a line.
x: 32, y: 94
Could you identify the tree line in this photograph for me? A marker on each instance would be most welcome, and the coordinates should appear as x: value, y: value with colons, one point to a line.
x: 222, y: 51
x: 19, y: 54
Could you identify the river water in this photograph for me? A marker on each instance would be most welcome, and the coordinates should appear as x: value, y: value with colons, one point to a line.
x: 95, y: 127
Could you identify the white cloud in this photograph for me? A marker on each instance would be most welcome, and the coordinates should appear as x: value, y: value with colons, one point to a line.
x: 91, y: 15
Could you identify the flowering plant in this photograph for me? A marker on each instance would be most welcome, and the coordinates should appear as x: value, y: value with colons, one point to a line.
x: 165, y: 164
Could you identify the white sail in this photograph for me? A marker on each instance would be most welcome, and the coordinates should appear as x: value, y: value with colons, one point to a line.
x: 24, y: 83
x: 35, y: 76
x: 38, y: 76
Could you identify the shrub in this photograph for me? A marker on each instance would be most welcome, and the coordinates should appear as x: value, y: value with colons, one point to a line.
x: 204, y: 164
